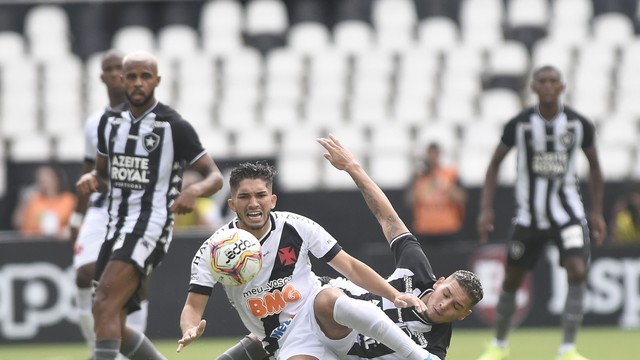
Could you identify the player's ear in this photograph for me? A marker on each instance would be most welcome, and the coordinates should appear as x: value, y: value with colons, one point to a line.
x: 274, y: 200
x: 231, y: 205
x: 438, y: 282
x: 466, y: 313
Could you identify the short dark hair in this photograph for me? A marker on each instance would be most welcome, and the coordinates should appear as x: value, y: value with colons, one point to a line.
x: 544, y: 68
x: 471, y: 285
x: 258, y: 170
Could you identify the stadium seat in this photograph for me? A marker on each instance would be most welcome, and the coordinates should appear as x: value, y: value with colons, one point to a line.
x: 613, y: 28
x: 265, y: 17
x: 572, y: 11
x: 47, y: 29
x: 484, y: 137
x: 281, y: 116
x: 391, y: 170
x: 441, y: 132
x: 528, y: 13
x: 395, y: 22
x: 134, y: 37
x: 618, y: 132
x: 283, y: 90
x: 218, y: 143
x: 324, y: 114
x: 334, y: 179
x: 353, y: 36
x: 393, y: 138
x: 309, y: 38
x: 368, y: 112
x: 551, y: 52
x: 284, y: 64
x: 177, y: 42
x: 257, y: 142
x: 13, y: 47
x: 244, y: 65
x: 198, y: 78
x: 330, y: 67
x: 299, y: 172
x: 301, y: 140
x: 438, y: 34
x: 472, y: 165
x: 499, y: 105
x: 353, y: 136
x: 69, y: 147
x: 508, y: 62
x: 239, y: 115
x: 616, y: 162
x: 220, y: 17
x: 412, y: 110
x: 372, y: 89
x: 481, y: 23
x: 30, y: 147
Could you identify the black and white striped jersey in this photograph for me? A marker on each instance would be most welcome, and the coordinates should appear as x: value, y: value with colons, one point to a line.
x: 547, y: 187
x: 146, y: 156
x: 413, y: 274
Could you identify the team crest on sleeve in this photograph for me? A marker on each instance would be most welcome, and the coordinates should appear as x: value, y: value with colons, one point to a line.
x: 150, y: 141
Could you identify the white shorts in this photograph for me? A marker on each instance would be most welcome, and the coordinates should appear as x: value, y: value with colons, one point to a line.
x: 304, y: 337
x: 91, y: 236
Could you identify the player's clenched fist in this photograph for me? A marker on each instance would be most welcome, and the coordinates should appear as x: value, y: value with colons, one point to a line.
x: 191, y: 335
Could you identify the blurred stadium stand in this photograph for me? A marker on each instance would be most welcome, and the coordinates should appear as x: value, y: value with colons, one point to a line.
x: 248, y: 74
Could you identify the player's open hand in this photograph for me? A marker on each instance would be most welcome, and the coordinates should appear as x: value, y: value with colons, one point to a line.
x: 406, y: 300
x: 337, y: 154
x: 185, y: 202
x: 191, y: 335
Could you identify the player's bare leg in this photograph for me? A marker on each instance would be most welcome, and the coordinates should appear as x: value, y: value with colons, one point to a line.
x: 248, y: 348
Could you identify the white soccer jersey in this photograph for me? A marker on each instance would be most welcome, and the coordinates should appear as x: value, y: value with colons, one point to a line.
x: 94, y: 226
x: 286, y: 280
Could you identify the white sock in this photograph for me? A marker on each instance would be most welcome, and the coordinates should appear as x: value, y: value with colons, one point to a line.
x: 85, y: 316
x: 138, y: 320
x: 566, y: 347
x: 371, y: 321
x: 502, y: 344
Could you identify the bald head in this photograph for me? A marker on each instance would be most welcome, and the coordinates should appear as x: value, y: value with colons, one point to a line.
x: 141, y: 57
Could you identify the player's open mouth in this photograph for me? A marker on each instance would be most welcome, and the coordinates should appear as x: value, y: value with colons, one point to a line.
x: 254, y: 214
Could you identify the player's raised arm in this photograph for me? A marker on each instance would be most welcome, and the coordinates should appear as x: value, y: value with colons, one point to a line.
x: 379, y: 204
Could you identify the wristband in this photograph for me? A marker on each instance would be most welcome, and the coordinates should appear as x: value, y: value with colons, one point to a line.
x: 76, y: 220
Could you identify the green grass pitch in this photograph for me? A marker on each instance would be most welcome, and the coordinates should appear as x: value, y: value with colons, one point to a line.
x: 596, y: 343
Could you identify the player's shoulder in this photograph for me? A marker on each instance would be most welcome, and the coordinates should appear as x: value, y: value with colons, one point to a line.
x: 165, y: 112
x: 291, y: 217
x: 572, y: 114
x: 523, y: 115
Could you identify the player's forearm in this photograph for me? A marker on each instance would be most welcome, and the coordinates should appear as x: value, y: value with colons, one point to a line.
x: 378, y: 203
x: 597, y: 186
x: 366, y: 278
x: 189, y: 318
x: 489, y: 189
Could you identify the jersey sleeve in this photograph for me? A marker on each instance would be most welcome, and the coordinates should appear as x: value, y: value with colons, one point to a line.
x: 201, y: 281
x: 589, y: 137
x: 409, y: 254
x: 186, y: 142
x: 509, y: 133
x: 91, y: 136
x: 321, y: 244
x: 100, y: 134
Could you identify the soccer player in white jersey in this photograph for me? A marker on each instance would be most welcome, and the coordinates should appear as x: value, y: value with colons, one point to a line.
x: 88, y: 223
x: 445, y: 300
x: 142, y: 151
x: 267, y: 303
x: 548, y: 138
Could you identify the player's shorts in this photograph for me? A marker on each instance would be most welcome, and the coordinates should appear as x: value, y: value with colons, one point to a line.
x: 526, y: 244
x: 90, y: 237
x: 145, y: 252
x: 303, y: 336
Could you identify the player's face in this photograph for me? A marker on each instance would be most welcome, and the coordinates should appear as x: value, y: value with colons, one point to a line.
x: 448, y: 302
x: 140, y: 80
x: 112, y: 73
x: 548, y: 85
x: 252, y: 203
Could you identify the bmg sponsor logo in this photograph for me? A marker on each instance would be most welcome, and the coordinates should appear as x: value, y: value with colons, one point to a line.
x: 34, y: 295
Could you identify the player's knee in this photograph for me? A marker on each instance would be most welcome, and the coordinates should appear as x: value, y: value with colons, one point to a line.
x: 246, y: 349
x: 84, y: 277
x: 325, y: 302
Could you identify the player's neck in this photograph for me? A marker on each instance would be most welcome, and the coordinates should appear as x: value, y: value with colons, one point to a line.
x: 548, y: 111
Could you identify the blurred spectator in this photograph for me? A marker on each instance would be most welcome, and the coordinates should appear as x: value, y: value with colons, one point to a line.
x: 438, y: 200
x: 44, y: 208
x: 206, y: 215
x: 626, y: 217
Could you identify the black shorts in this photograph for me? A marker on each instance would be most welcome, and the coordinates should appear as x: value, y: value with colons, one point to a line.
x: 144, y: 261
x: 526, y: 244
